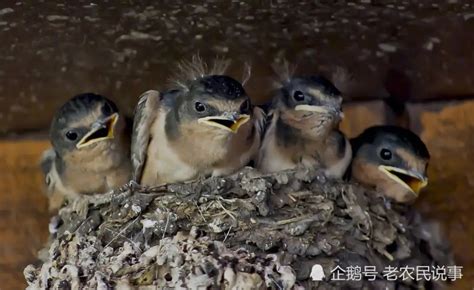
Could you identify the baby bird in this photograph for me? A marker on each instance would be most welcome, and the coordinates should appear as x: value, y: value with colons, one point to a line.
x: 91, y: 149
x: 206, y: 126
x: 391, y: 159
x: 303, y: 131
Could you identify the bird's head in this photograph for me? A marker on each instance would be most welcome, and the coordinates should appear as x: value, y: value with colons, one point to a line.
x: 214, y: 106
x: 311, y: 104
x: 84, y: 122
x: 392, y: 159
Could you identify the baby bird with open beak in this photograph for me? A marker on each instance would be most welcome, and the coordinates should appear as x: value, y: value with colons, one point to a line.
x: 91, y: 149
x: 206, y: 126
x: 391, y: 159
x: 303, y: 131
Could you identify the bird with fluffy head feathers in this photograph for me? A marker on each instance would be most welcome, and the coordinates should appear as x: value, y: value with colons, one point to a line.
x: 203, y: 126
x: 303, y: 126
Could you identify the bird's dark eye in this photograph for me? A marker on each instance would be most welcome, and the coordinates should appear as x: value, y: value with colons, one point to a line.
x: 106, y: 109
x: 245, y: 107
x: 386, y: 154
x: 298, y: 96
x: 200, y: 107
x: 71, y: 135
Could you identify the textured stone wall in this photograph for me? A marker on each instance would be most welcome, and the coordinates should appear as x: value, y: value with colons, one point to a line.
x: 391, y: 49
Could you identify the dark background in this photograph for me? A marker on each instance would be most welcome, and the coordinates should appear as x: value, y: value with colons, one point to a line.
x: 406, y: 62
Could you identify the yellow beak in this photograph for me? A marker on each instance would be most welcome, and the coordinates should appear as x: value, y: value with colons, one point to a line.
x: 100, y: 130
x: 411, y: 180
x: 230, y: 123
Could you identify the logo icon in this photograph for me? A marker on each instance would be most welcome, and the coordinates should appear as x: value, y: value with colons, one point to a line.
x: 317, y: 273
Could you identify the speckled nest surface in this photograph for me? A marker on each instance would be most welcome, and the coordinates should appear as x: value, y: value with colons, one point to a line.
x: 244, y: 231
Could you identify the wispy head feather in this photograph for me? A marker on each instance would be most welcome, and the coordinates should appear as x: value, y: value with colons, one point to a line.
x: 284, y: 72
x: 247, y: 73
x: 343, y: 80
x: 189, y: 71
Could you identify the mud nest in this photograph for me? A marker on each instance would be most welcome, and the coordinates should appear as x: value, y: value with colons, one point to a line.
x: 245, y: 231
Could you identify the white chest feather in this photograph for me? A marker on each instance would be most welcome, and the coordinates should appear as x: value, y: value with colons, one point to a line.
x: 163, y: 164
x: 338, y: 169
x: 270, y: 157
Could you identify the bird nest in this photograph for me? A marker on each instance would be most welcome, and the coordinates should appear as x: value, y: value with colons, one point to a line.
x: 244, y: 231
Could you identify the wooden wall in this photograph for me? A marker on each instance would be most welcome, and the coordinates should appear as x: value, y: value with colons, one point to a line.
x: 24, y: 213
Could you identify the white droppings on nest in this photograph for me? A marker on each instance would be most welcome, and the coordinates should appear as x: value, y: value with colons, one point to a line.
x: 136, y: 208
x: 216, y: 225
x: 54, y: 222
x: 148, y: 223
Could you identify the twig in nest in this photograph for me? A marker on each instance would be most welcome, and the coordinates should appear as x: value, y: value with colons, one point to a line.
x: 200, y: 212
x: 226, y: 235
x: 122, y: 231
x: 295, y: 219
x: 167, y: 223
x: 226, y: 211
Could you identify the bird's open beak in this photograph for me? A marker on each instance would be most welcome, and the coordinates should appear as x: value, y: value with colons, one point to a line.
x: 230, y: 123
x: 100, y: 130
x: 411, y: 180
x: 320, y: 109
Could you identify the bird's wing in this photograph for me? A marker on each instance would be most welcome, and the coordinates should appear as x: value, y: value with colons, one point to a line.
x: 267, y: 106
x: 145, y: 114
x: 262, y: 121
x: 355, y: 144
x: 54, y: 188
x: 337, y: 155
x: 260, y: 125
x: 47, y: 166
